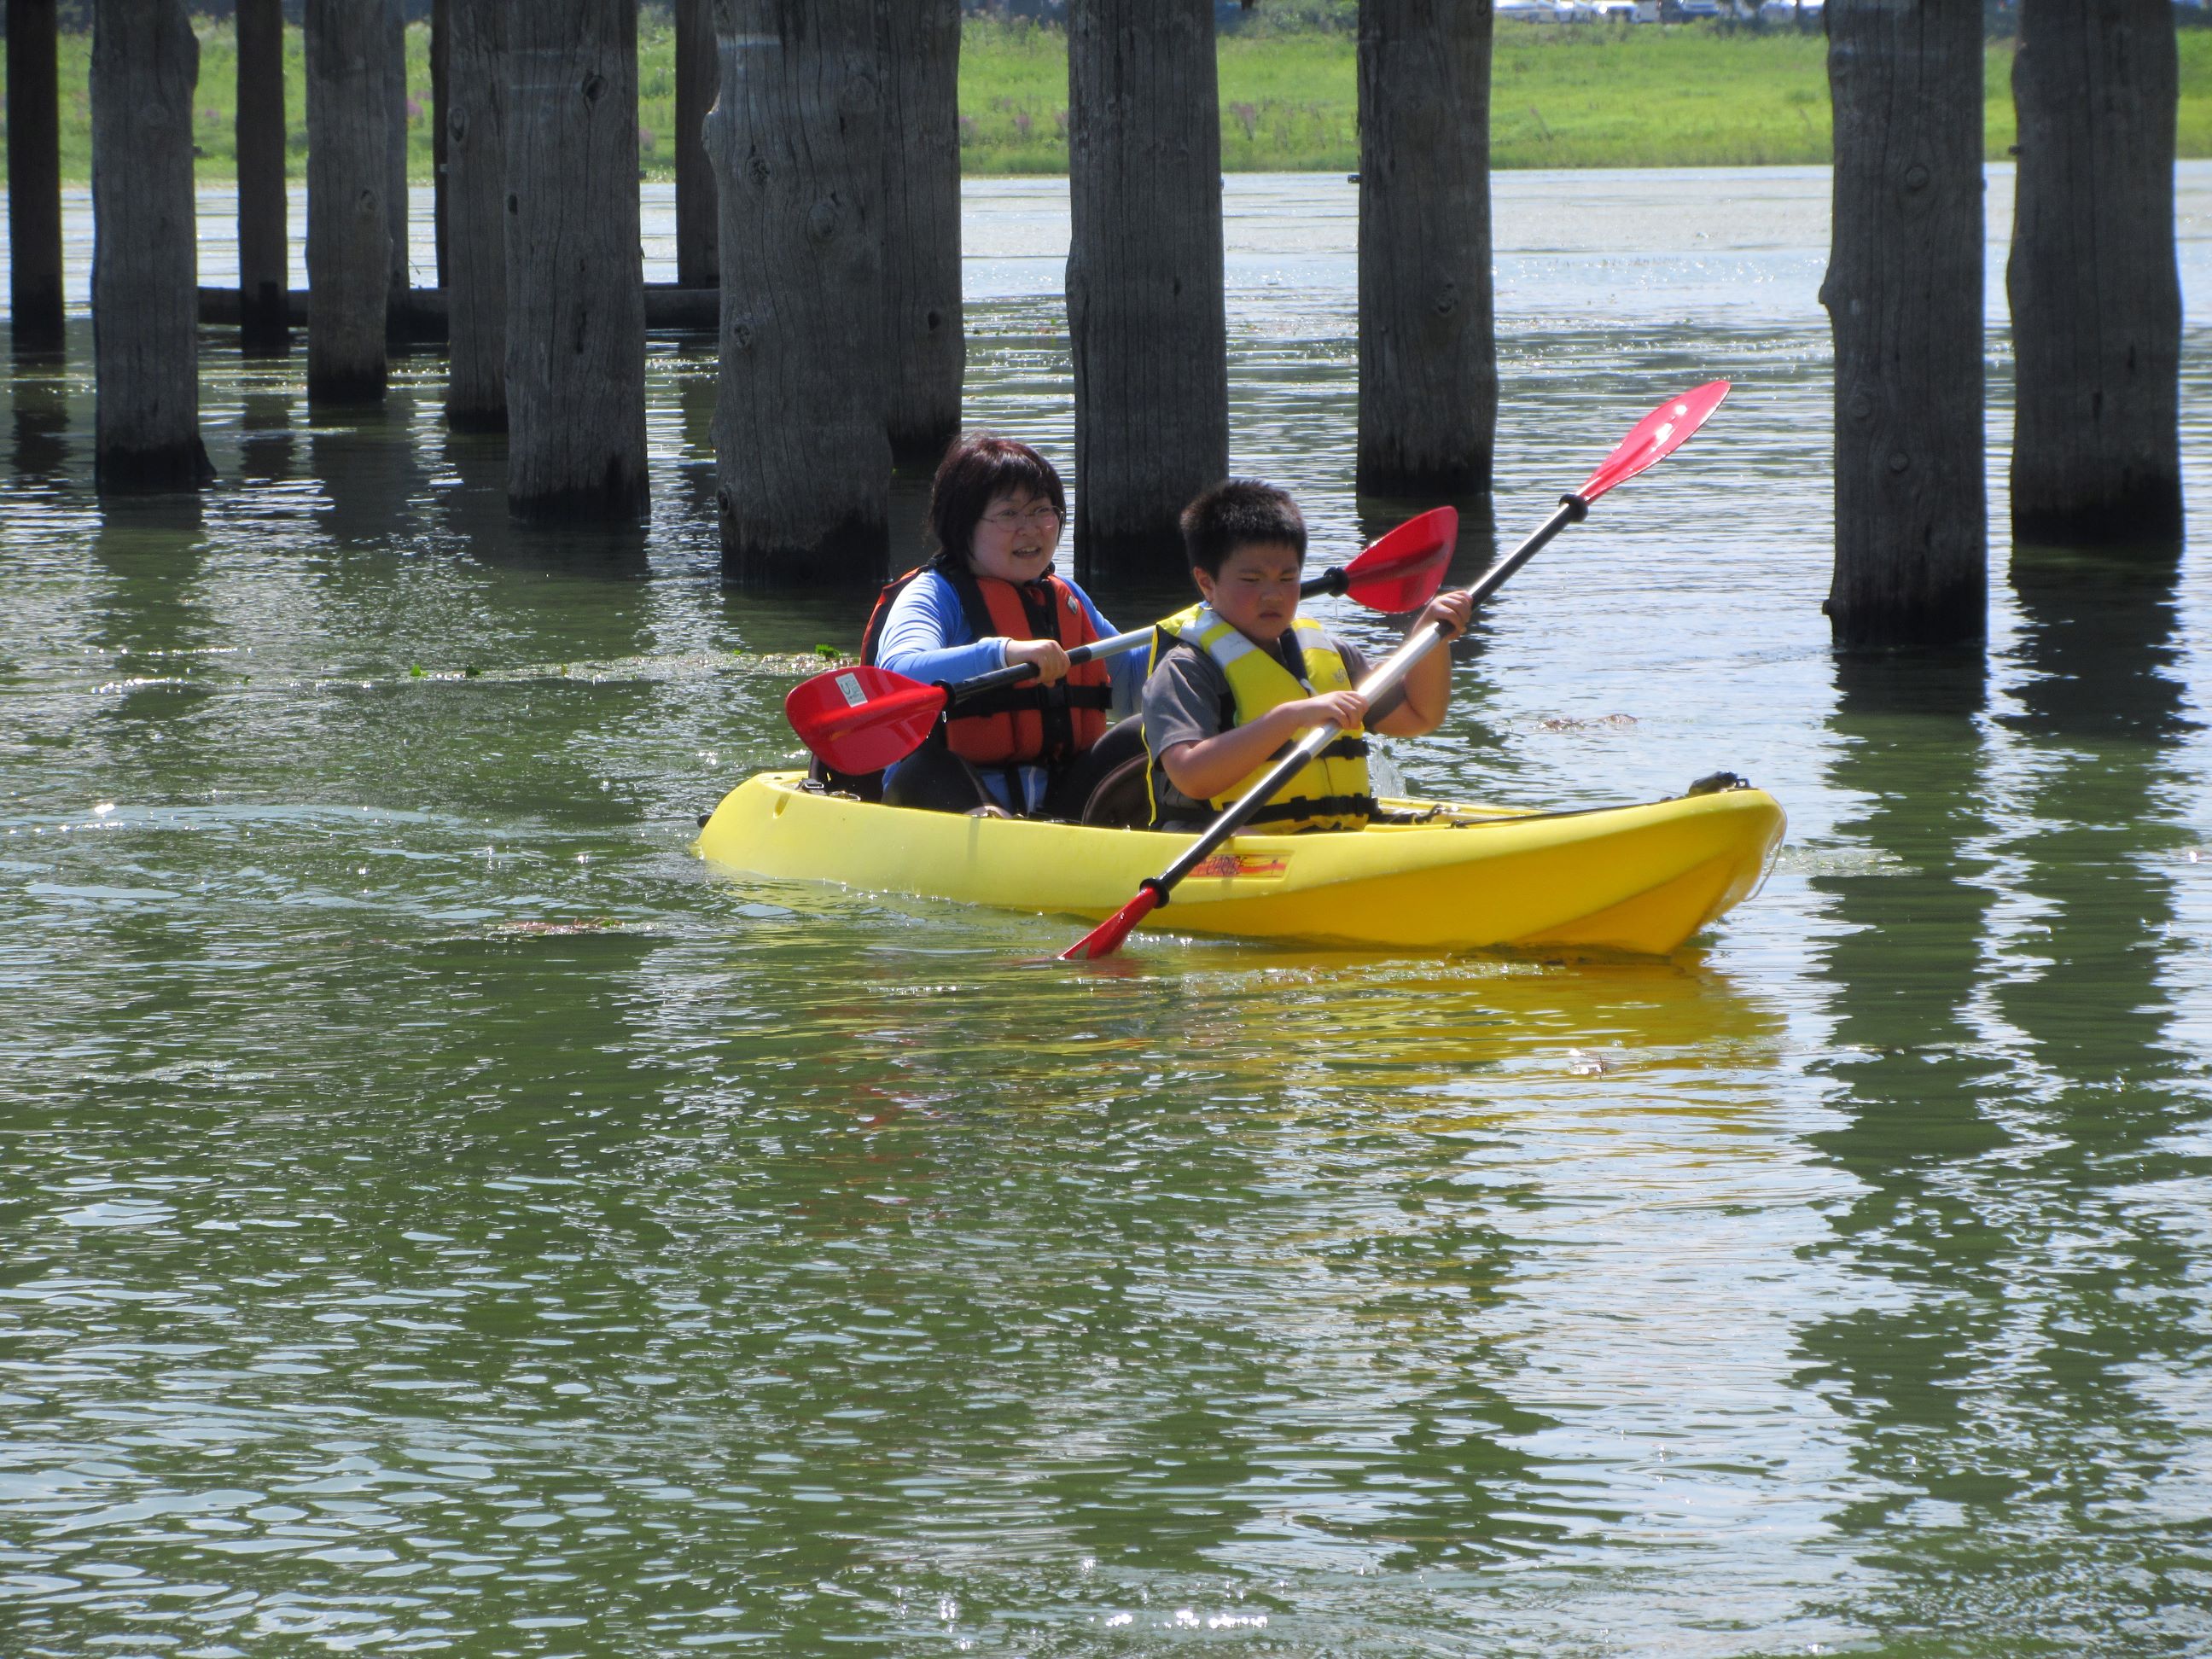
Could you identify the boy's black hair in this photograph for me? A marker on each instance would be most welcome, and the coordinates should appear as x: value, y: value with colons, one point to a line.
x: 1236, y: 513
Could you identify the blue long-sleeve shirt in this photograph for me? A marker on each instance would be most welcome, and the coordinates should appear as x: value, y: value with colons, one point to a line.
x: 927, y: 637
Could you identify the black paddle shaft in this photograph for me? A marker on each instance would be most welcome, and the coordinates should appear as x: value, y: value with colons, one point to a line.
x: 1572, y: 509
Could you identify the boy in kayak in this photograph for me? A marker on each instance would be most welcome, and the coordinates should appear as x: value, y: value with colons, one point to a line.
x: 1237, y: 677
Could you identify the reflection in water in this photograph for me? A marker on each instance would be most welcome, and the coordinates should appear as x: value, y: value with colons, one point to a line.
x: 1916, y: 1354
x: 40, y: 393
x: 265, y: 441
x: 1999, y: 1034
x: 2102, y: 1085
x: 371, y: 476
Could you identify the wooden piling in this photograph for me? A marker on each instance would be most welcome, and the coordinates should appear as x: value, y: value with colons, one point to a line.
x: 1903, y: 294
x: 575, y: 275
x: 1428, y: 352
x: 471, y: 117
x: 145, y: 60
x: 441, y: 43
x: 1145, y: 311
x: 349, y: 222
x: 393, y: 58
x: 796, y: 142
x: 2096, y: 295
x: 34, y: 177
x: 698, y: 77
x: 264, y: 273
x: 926, y: 343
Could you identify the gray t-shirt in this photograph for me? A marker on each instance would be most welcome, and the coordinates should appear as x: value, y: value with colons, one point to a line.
x: 1187, y: 700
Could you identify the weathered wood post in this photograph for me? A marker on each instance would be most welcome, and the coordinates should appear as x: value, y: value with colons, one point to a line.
x: 264, y: 263
x: 1428, y: 350
x: 348, y: 218
x: 575, y: 273
x: 442, y: 63
x: 798, y: 147
x: 2096, y: 296
x: 698, y: 76
x: 1145, y: 311
x: 928, y: 343
x: 394, y: 60
x: 472, y: 117
x: 145, y: 297
x: 34, y: 177
x: 1903, y: 294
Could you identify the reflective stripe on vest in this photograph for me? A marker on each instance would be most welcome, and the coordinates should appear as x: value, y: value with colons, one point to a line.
x: 1026, y: 725
x: 1329, y: 793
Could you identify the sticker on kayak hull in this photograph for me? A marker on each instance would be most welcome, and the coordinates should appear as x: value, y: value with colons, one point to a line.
x: 1227, y: 866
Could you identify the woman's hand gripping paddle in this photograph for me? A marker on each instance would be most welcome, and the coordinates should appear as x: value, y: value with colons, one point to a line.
x: 863, y: 719
x: 1657, y: 435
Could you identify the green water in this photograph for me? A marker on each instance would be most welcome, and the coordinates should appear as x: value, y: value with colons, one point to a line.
x: 437, y: 1215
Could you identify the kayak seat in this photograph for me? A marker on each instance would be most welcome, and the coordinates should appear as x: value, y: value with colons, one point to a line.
x: 1120, y: 800
x: 865, y: 785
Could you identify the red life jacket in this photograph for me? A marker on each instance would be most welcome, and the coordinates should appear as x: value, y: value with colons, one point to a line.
x: 1025, y: 724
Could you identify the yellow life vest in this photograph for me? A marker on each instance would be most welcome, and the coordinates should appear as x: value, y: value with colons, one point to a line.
x: 1329, y: 793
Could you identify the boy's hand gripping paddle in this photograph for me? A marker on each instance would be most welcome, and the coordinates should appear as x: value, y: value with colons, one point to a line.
x: 1656, y: 435
x: 863, y: 719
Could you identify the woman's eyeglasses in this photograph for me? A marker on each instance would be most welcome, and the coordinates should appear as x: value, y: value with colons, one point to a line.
x: 1042, y: 516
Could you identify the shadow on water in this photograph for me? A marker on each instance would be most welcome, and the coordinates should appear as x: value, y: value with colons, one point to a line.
x: 475, y: 510
x: 40, y: 393
x: 2006, y: 1087
x: 1915, y: 1073
x: 266, y: 446
x: 696, y: 382
x: 2105, y: 1094
x: 153, y: 617
x: 371, y: 475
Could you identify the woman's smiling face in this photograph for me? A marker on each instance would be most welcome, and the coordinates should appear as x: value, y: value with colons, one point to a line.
x: 1015, y: 538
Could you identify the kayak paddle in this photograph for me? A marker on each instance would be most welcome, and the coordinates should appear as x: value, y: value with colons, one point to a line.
x: 1657, y: 435
x: 863, y: 719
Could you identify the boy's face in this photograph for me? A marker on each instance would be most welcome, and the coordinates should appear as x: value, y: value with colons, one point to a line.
x: 1257, y: 591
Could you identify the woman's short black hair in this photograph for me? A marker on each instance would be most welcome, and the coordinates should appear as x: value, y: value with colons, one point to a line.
x: 1235, y: 513
x: 977, y: 468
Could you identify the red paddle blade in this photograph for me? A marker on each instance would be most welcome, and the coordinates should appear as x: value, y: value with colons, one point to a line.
x: 1403, y: 570
x: 1658, y: 435
x: 1106, y: 938
x: 862, y: 719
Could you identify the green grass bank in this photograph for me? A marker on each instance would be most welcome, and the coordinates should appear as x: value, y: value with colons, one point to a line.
x: 1562, y: 96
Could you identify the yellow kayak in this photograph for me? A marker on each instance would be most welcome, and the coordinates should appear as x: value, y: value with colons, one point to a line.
x: 1438, y: 878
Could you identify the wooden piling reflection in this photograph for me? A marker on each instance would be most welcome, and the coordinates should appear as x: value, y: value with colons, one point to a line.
x: 145, y: 60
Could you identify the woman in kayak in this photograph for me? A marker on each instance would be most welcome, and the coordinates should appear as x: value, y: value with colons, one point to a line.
x: 987, y: 599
